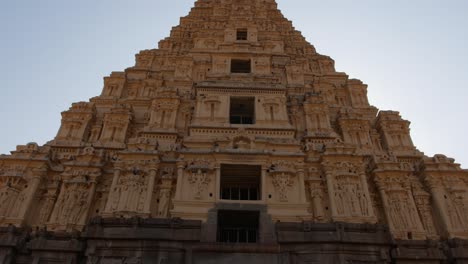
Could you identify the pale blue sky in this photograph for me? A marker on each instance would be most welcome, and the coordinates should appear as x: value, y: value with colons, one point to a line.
x: 413, y: 54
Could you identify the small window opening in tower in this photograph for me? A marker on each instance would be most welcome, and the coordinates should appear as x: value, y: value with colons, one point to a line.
x: 240, y: 66
x: 242, y: 110
x: 238, y: 226
x: 241, y: 34
x: 240, y: 182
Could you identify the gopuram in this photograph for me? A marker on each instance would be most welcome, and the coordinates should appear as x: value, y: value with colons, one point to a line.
x: 234, y: 141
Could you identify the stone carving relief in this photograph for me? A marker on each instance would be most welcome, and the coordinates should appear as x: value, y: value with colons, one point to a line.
x: 356, y: 131
x: 132, y: 188
x: 398, y: 199
x: 76, y: 194
x: 272, y: 108
x: 220, y: 65
x: 50, y: 197
x: 358, y: 93
x: 212, y: 105
x: 447, y: 184
x: 200, y: 181
x: 317, y: 193
x: 295, y: 74
x: 317, y: 117
x: 116, y: 125
x: 75, y: 122
x: 424, y: 205
x: 18, y: 187
x: 164, y: 109
x: 200, y: 175
x: 113, y: 85
x: 184, y: 69
x: 282, y: 175
x: 12, y: 194
x: 165, y: 191
x: 143, y: 144
x: 349, y: 194
x: 395, y: 132
x: 282, y: 181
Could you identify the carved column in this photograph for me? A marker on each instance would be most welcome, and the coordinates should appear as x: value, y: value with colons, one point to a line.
x: 365, y: 187
x: 150, y: 190
x: 34, y: 185
x: 180, y: 175
x: 300, y: 177
x: 331, y: 193
x: 414, y: 212
x: 89, y: 201
x: 218, y: 182
x: 437, y: 192
x: 115, y: 181
x: 165, y: 196
x: 386, y: 204
x: 317, y: 200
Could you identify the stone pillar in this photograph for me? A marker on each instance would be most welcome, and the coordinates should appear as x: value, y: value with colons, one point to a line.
x: 317, y: 200
x: 365, y: 189
x: 386, y: 206
x: 26, y: 206
x: 331, y: 193
x: 439, y: 201
x: 89, y: 201
x: 165, y: 196
x: 300, y: 177
x: 218, y: 183
x: 150, y: 190
x: 115, y: 181
x: 180, y: 176
x: 414, y: 212
x: 264, y: 184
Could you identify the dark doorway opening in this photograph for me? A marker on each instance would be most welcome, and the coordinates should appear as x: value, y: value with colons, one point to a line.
x: 238, y: 226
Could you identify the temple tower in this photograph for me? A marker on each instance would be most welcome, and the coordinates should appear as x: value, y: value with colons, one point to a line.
x: 233, y: 140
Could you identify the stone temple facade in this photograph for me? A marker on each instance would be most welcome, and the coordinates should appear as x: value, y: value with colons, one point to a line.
x: 233, y: 141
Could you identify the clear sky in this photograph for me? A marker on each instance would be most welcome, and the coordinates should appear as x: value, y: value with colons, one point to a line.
x: 412, y: 54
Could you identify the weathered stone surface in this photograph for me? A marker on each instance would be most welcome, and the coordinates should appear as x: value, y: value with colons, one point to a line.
x: 234, y: 111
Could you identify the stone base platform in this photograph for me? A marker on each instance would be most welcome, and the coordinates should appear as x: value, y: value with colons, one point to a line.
x: 176, y: 241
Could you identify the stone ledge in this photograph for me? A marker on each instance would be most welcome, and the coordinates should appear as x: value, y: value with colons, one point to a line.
x: 332, y: 232
x: 174, y: 229
x: 418, y: 250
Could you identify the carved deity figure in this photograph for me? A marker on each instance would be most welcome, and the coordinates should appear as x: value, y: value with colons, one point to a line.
x: 400, y: 211
x: 7, y: 198
x: 282, y: 182
x: 130, y: 192
x: 363, y: 202
x: 72, y: 204
x: 46, y: 210
x: 316, y: 193
x: 200, y: 180
x: 12, y: 198
x: 456, y: 211
x: 347, y: 201
x: 164, y: 200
